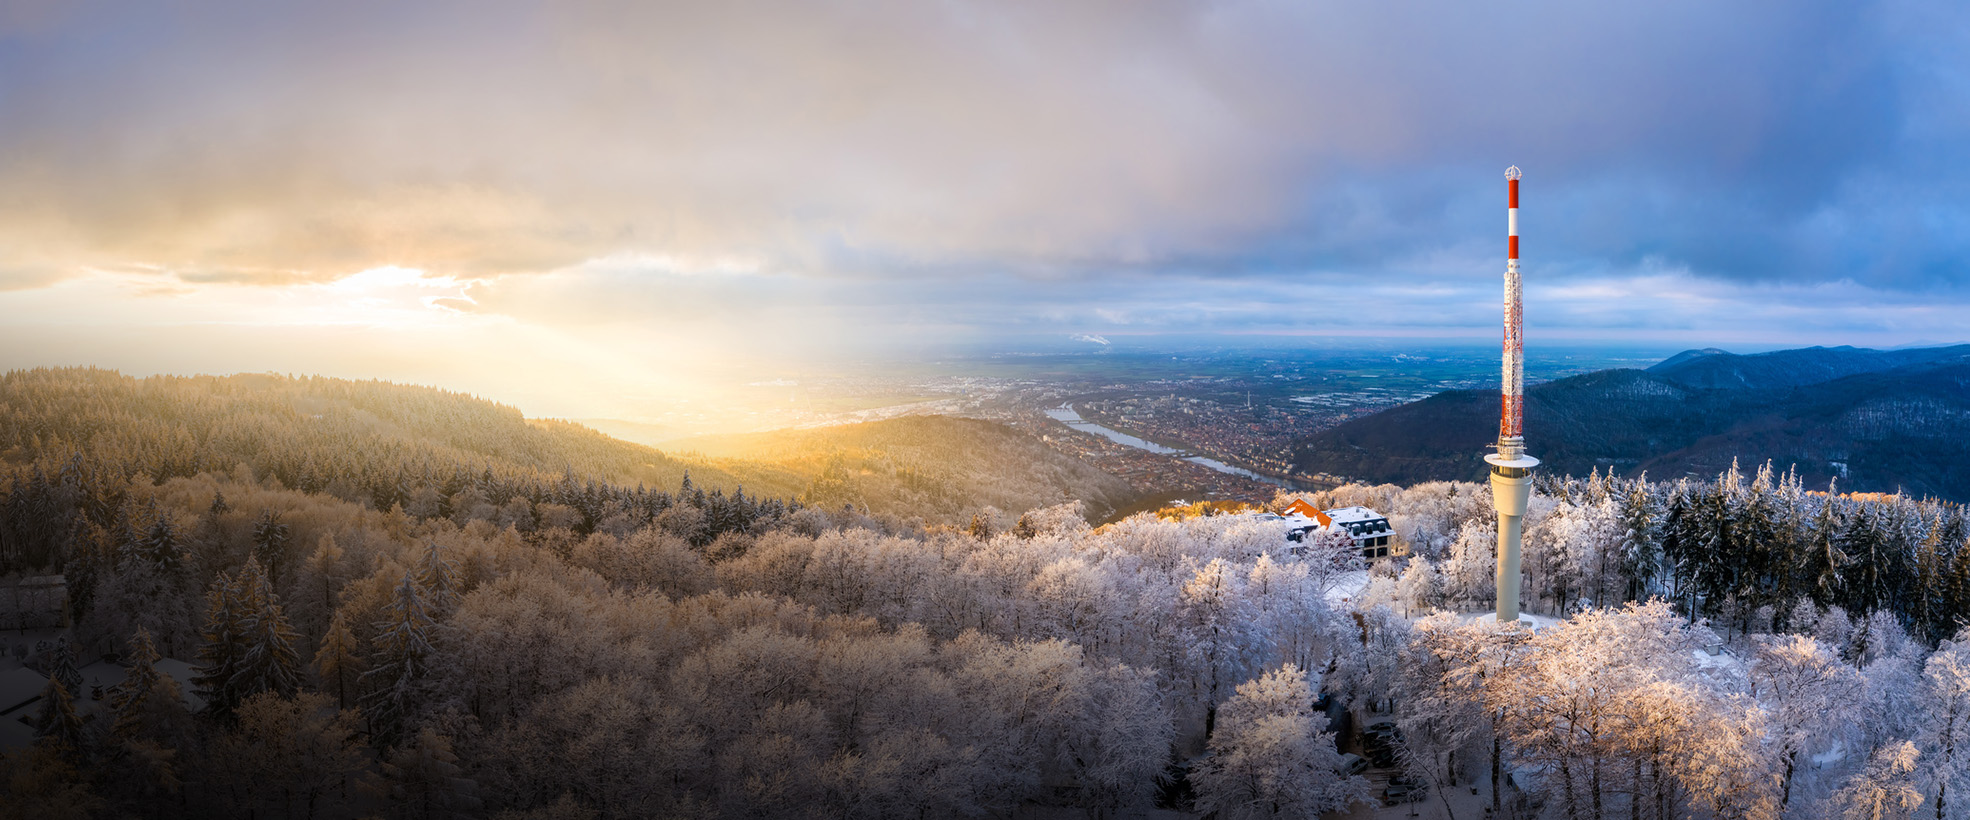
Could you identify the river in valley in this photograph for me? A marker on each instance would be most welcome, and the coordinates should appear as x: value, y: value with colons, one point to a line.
x: 1066, y: 414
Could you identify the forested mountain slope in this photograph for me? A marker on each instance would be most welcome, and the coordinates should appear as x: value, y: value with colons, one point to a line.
x: 929, y: 466
x: 316, y: 434
x: 552, y: 649
x: 1906, y: 428
x: 389, y: 444
x: 1713, y: 368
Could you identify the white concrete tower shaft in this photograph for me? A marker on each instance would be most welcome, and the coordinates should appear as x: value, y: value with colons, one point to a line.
x: 1511, y: 468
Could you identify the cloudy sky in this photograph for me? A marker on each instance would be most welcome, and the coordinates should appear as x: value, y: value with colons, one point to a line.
x: 534, y: 201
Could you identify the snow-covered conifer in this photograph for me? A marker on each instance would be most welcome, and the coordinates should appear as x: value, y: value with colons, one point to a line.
x: 338, y: 661
x: 57, y: 721
x: 270, y: 542
x: 221, y: 644
x: 268, y: 660
x: 439, y: 578
x: 402, y: 662
x: 146, y: 704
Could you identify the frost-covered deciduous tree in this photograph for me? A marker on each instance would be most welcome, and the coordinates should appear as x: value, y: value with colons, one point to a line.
x: 1807, y: 689
x: 1945, y: 703
x: 1217, y: 633
x: 1420, y: 589
x: 1121, y: 743
x: 1440, y: 678
x: 1272, y: 755
x: 1470, y: 571
x: 1567, y: 709
x: 1885, y: 789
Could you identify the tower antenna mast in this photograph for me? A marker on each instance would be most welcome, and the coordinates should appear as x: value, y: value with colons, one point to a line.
x: 1511, y: 468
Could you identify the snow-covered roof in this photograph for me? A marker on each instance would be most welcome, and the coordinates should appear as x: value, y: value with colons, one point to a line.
x: 1354, y: 515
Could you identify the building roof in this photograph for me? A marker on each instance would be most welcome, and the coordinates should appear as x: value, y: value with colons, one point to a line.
x: 1354, y: 515
x: 1302, y: 508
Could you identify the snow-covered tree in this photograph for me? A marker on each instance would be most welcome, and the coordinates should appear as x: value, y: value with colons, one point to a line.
x: 270, y: 542
x: 1807, y: 689
x: 1217, y: 633
x: 1119, y: 747
x: 1470, y: 572
x: 57, y: 722
x: 1885, y: 789
x: 1272, y: 755
x: 267, y: 660
x: 147, y: 704
x: 338, y: 661
x: 1639, y: 524
x: 1945, y: 704
x: 1420, y: 589
x: 439, y: 578
x: 222, y: 644
x: 398, y: 680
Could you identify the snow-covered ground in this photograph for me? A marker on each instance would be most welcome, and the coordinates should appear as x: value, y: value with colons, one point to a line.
x: 1347, y: 587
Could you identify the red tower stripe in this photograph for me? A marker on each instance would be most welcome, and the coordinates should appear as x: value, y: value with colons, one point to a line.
x: 1515, y: 247
x: 1515, y: 193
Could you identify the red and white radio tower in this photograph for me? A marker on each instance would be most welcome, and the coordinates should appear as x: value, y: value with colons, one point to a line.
x: 1511, y: 468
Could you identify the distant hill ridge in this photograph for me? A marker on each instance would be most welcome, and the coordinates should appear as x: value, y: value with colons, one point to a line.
x: 1878, y: 420
x: 383, y: 443
x: 1713, y: 368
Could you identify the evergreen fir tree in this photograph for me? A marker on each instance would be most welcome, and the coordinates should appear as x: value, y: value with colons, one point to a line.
x: 402, y: 662
x: 1679, y: 544
x: 338, y: 660
x: 1928, y: 599
x: 267, y: 660
x: 57, y: 722
x: 270, y: 542
x: 1641, y: 539
x: 1754, y: 529
x: 64, y: 667
x: 219, y: 506
x: 160, y: 546
x: 1902, y: 534
x: 1789, y: 544
x: 1867, y: 571
x: 142, y: 702
x: 1716, y: 563
x: 440, y: 581
x: 221, y: 645
x: 1956, y: 612
x: 1824, y: 561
